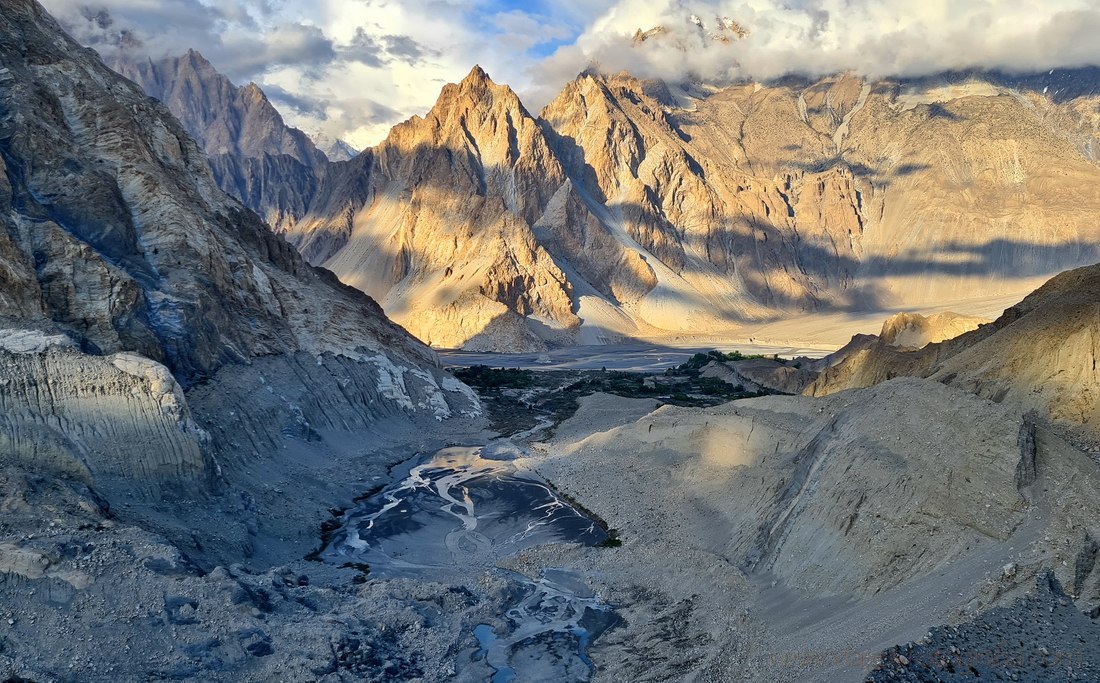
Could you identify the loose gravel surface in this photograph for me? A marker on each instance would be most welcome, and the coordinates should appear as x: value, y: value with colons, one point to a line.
x: 1042, y: 637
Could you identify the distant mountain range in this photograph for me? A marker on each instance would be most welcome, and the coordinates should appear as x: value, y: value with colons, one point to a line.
x: 270, y: 166
x: 633, y: 208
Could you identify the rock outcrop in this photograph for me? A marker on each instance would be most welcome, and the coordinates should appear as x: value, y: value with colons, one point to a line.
x: 120, y: 421
x: 269, y: 166
x: 1040, y: 355
x: 764, y: 374
x: 153, y: 328
x: 915, y: 331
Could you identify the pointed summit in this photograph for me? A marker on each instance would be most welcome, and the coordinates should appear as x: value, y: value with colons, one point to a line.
x: 477, y: 93
x: 477, y: 76
x: 478, y: 84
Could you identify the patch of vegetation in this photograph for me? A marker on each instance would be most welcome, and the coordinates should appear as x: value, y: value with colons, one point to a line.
x: 328, y: 528
x: 631, y: 384
x: 701, y: 360
x: 554, y: 394
x: 682, y: 389
x: 484, y: 377
x: 612, y: 540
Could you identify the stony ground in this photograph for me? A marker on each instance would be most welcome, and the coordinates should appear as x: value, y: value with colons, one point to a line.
x: 1042, y: 637
x: 741, y: 559
x: 817, y: 588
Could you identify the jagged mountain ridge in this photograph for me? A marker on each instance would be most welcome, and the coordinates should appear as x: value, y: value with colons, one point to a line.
x: 858, y: 483
x: 254, y: 155
x: 437, y: 221
x: 624, y: 261
x: 688, y: 209
x: 222, y: 117
x: 756, y: 201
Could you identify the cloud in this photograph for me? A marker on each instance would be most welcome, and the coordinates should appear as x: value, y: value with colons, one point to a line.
x: 520, y: 31
x: 243, y: 38
x: 304, y: 47
x: 406, y: 49
x: 365, y: 49
x: 817, y: 37
x: 298, y: 104
x: 352, y: 68
x: 380, y: 51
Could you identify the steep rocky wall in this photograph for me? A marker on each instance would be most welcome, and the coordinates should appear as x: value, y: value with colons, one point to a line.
x: 118, y: 421
x: 150, y: 282
x: 251, y: 410
x: 270, y: 167
x: 131, y: 244
x: 635, y: 208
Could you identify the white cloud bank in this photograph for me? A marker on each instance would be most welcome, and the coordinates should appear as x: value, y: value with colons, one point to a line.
x: 352, y: 68
x: 883, y: 38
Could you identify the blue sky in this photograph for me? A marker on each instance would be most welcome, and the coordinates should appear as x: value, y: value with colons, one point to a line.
x: 353, y: 68
x: 569, y: 26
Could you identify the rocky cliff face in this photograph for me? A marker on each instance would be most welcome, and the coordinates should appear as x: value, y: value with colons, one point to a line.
x: 122, y: 419
x: 440, y: 223
x: 135, y: 291
x: 685, y: 209
x: 116, y: 233
x: 272, y: 168
x: 669, y: 209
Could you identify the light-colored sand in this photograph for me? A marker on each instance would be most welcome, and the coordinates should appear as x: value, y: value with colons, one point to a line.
x: 830, y: 331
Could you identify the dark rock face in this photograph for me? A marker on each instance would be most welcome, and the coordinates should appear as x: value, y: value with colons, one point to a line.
x: 1043, y: 637
x: 133, y: 288
x: 277, y: 187
x: 114, y: 231
x: 223, y: 118
x: 155, y: 336
x: 272, y: 168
